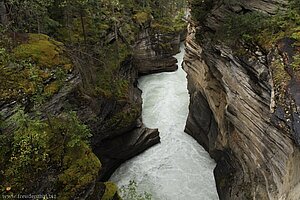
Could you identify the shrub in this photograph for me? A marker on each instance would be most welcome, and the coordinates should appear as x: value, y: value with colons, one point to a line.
x: 129, y: 192
x: 245, y: 27
x: 111, y: 191
x: 200, y: 9
x: 258, y: 28
x: 55, y: 148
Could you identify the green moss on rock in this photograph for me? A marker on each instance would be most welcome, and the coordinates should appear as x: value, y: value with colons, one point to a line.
x: 81, y: 170
x: 42, y: 50
x: 26, y: 70
x: 111, y: 192
x: 142, y: 17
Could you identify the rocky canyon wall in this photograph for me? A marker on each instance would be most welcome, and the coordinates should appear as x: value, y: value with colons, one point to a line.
x: 114, y: 120
x: 235, y: 112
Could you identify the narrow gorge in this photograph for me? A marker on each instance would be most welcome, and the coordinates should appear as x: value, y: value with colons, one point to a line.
x: 177, y: 168
x: 107, y: 99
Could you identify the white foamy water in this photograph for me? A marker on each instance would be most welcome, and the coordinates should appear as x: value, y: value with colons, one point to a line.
x: 178, y: 168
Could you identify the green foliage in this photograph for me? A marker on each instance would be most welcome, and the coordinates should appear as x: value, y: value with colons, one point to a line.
x: 245, y: 27
x: 28, y: 15
x: 37, y: 148
x: 30, y: 151
x: 81, y: 167
x: 170, y: 24
x: 200, y: 9
x: 122, y: 118
x: 110, y: 83
x: 295, y: 4
x: 130, y: 192
x: 296, y: 63
x: 77, y: 133
x: 27, y: 71
x: 283, y: 24
x: 259, y: 28
x: 5, y: 40
x: 296, y: 34
x: 166, y: 8
x: 111, y: 191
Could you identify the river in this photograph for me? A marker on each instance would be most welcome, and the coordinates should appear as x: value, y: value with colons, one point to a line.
x: 178, y: 168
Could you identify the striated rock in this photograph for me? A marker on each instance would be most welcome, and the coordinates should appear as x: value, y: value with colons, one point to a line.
x: 231, y: 115
x: 153, y: 52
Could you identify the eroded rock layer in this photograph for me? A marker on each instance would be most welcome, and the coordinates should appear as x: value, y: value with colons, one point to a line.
x: 154, y: 52
x: 232, y: 113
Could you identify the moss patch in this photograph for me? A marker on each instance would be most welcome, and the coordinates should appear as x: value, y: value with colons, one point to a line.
x: 37, y: 67
x: 81, y: 169
x: 42, y: 50
x: 142, y: 17
x: 111, y: 192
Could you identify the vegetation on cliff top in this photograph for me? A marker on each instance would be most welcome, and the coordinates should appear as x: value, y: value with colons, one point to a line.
x: 35, y: 68
x: 256, y: 28
x: 265, y: 31
x: 250, y: 32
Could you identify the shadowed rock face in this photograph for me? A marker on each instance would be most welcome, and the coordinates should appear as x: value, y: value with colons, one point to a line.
x: 119, y: 149
x: 232, y: 114
x: 112, y: 144
x: 153, y: 52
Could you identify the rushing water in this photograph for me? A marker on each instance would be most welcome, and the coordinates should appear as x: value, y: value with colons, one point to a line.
x: 178, y: 168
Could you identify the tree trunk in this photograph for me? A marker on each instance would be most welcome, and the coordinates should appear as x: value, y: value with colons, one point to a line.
x: 83, y: 28
x: 3, y: 14
x: 39, y: 28
x: 116, y: 35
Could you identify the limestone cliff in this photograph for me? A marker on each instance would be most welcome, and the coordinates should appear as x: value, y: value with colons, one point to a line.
x: 235, y: 112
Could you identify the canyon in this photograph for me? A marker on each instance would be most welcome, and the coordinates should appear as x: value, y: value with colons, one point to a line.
x: 89, y: 85
x: 178, y: 167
